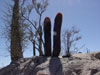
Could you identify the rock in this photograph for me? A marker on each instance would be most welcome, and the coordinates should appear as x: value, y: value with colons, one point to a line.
x: 97, y: 73
x: 78, y: 64
x: 97, y: 55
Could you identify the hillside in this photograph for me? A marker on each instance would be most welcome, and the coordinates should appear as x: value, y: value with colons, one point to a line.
x: 78, y: 64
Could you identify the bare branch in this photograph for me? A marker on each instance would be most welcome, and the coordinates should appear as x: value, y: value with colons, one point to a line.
x: 69, y: 38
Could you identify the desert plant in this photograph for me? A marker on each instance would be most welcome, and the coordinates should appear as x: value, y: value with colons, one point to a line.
x: 56, y: 35
x: 70, y: 37
x: 47, y: 36
x: 16, y: 48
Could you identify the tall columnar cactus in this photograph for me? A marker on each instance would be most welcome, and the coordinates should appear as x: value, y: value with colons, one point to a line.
x: 56, y: 35
x: 47, y: 36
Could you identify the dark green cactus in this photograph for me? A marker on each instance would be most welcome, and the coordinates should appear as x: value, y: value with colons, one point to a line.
x: 47, y: 36
x: 56, y: 35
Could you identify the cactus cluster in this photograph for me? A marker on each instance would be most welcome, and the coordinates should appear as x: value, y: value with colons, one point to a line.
x: 56, y: 35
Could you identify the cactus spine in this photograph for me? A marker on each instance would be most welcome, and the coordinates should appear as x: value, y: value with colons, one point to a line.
x: 47, y: 36
x: 56, y: 35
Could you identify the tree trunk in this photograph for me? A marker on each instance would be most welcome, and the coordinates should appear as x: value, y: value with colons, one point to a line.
x: 34, y: 53
x: 40, y: 41
x: 16, y: 48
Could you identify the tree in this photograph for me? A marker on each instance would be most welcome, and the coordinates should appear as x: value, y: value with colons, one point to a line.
x: 69, y: 39
x: 29, y: 29
x: 23, y: 25
x: 16, y: 48
x: 36, y: 27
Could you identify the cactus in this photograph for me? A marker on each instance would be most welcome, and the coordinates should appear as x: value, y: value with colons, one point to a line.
x: 47, y: 36
x: 56, y: 35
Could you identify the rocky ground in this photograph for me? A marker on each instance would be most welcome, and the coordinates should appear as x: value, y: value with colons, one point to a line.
x: 78, y: 64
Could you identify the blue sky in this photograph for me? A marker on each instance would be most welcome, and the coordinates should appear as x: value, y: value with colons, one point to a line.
x: 84, y: 14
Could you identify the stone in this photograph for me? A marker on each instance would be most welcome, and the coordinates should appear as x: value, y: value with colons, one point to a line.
x: 97, y: 55
x: 78, y: 64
